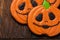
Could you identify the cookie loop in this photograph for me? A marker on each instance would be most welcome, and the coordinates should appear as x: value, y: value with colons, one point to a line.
x: 54, y: 3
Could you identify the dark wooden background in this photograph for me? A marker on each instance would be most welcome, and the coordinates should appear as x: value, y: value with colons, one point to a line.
x: 9, y: 28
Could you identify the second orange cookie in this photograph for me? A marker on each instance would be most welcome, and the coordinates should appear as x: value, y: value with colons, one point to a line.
x: 21, y: 8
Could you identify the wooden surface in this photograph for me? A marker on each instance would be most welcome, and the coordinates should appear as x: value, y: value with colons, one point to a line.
x: 9, y: 28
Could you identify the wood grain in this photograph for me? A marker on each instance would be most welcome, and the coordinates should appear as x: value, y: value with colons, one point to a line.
x: 9, y: 28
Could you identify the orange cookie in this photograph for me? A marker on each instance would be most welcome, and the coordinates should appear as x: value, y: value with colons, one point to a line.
x: 21, y: 8
x: 44, y: 21
x: 20, y: 18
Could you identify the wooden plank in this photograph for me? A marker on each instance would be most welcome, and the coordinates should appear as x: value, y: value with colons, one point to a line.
x: 10, y: 28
